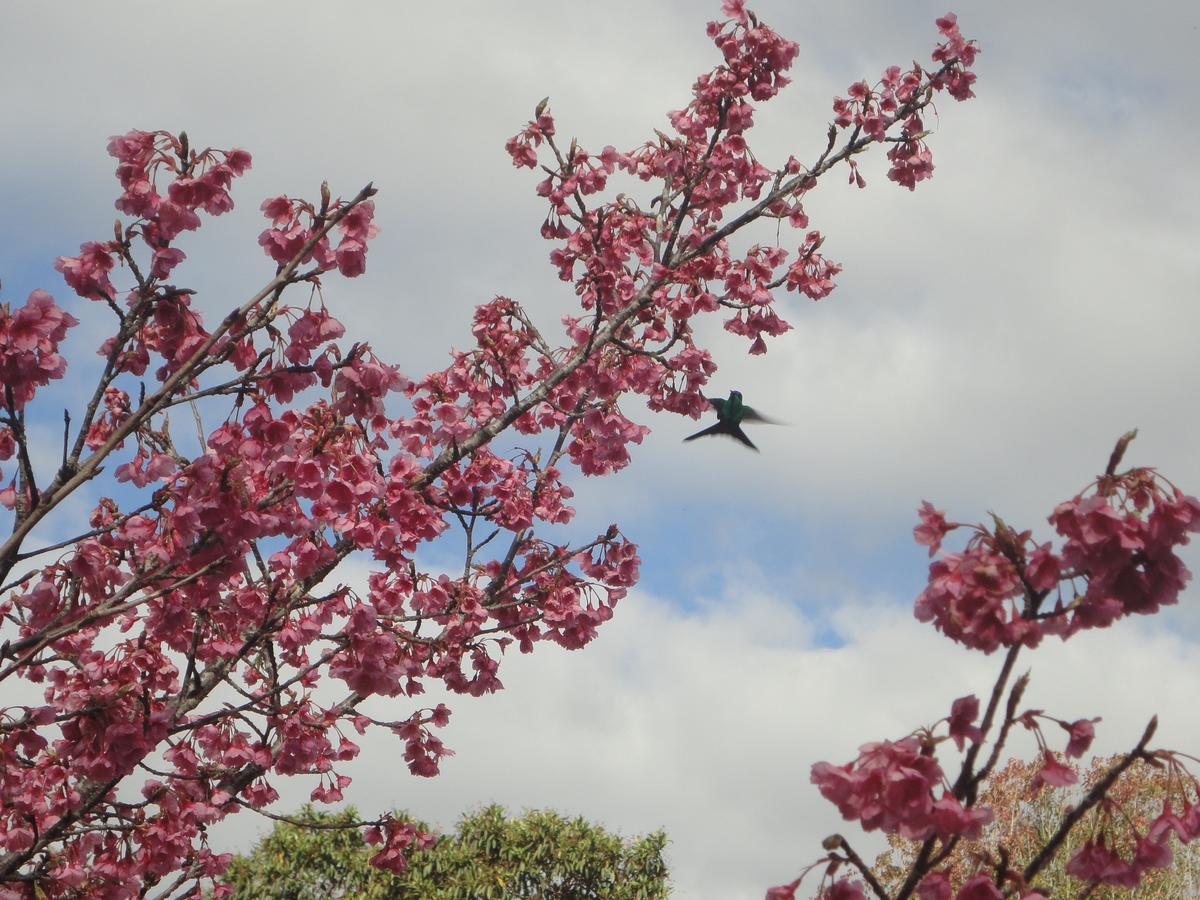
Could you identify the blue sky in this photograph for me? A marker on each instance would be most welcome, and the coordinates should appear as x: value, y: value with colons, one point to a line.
x: 992, y: 335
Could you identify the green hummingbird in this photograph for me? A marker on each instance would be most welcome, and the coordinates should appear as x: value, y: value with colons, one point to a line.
x: 731, y: 414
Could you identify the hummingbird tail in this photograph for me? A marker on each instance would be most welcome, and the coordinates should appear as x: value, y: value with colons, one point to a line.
x: 741, y: 436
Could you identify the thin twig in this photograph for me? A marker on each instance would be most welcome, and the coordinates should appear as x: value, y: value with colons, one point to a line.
x: 1094, y: 796
x: 836, y: 841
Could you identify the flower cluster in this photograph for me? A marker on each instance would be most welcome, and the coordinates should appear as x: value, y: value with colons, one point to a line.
x: 1121, y: 543
x: 956, y: 55
x: 839, y: 889
x: 200, y: 181
x: 1119, y: 556
x: 1099, y: 861
x: 936, y: 886
x: 522, y: 147
x: 116, y: 410
x: 199, y: 624
x: 650, y: 272
x: 911, y: 158
x: 29, y: 339
x: 893, y: 786
x: 87, y: 273
x: 874, y: 109
x: 396, y: 838
x: 295, y: 234
x: 1080, y: 734
x: 812, y: 274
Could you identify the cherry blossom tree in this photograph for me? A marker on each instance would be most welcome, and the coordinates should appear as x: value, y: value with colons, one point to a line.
x: 1027, y: 813
x: 1117, y: 558
x: 196, y: 640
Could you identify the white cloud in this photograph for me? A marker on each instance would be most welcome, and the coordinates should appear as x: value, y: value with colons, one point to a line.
x: 705, y: 723
x: 1002, y: 325
x: 993, y: 334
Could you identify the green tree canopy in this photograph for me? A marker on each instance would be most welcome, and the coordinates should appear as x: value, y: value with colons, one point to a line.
x: 540, y: 855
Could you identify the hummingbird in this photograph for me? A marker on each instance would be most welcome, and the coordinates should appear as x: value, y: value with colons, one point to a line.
x: 731, y: 414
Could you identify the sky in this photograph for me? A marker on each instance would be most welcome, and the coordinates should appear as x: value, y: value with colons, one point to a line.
x: 992, y: 335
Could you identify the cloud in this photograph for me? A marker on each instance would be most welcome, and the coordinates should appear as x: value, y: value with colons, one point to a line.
x: 706, y: 722
x: 1008, y: 320
x: 993, y: 334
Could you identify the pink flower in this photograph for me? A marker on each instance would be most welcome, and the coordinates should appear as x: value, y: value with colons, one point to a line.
x: 87, y: 274
x: 359, y: 222
x: 844, y: 889
x: 1095, y: 862
x: 1043, y: 569
x: 812, y: 274
x: 1150, y: 854
x: 38, y: 325
x: 912, y: 162
x: 734, y: 9
x: 889, y: 787
x: 396, y: 837
x: 310, y: 474
x: 963, y: 712
x: 1130, y: 560
x: 949, y: 817
x: 351, y: 256
x: 971, y: 599
x: 8, y: 495
x: 1082, y: 733
x: 165, y: 259
x: 29, y: 338
x: 934, y: 886
x: 1185, y: 826
x: 784, y: 891
x: 1053, y: 773
x: 980, y: 887
x: 278, y: 210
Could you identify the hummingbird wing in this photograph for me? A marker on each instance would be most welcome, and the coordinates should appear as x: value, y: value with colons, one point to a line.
x: 715, y: 428
x: 719, y: 405
x: 749, y: 414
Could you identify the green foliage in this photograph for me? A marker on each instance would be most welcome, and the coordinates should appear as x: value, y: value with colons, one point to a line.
x: 538, y: 855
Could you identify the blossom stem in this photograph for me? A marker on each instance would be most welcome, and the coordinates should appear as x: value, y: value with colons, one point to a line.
x: 1094, y: 796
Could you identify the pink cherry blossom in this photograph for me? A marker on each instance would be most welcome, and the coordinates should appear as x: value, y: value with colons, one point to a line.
x: 1082, y: 733
x: 933, y: 527
x: 1125, y: 556
x: 980, y: 887
x: 183, y: 642
x: 1053, y: 773
x: 891, y: 786
x: 1095, y: 862
x: 87, y: 274
x: 963, y: 712
x: 784, y: 891
x: 29, y: 339
x: 844, y: 889
x: 935, y: 886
